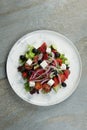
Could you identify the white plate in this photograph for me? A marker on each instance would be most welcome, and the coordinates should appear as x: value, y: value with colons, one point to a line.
x: 65, y: 46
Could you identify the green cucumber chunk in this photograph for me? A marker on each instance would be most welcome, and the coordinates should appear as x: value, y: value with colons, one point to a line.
x: 29, y: 54
x: 67, y: 62
x: 56, y: 88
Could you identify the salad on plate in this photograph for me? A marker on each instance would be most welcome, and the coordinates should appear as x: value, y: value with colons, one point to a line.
x: 43, y: 69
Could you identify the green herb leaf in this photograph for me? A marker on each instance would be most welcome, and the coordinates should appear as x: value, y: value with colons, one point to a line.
x: 27, y: 88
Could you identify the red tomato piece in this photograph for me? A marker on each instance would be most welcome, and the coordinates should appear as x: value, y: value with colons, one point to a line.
x: 41, y: 72
x: 59, y: 61
x: 46, y: 87
x: 62, y: 77
x: 56, y: 80
x: 24, y: 74
x: 43, y: 48
x: 38, y: 85
x: 66, y: 73
x: 35, y: 59
x: 45, y: 56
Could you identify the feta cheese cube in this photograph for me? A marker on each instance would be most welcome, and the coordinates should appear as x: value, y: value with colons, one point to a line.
x: 31, y: 84
x: 50, y: 82
x: 29, y: 61
x: 48, y: 50
x: 63, y: 67
x: 44, y: 64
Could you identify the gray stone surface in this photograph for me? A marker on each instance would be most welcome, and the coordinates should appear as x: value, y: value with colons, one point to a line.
x: 20, y: 17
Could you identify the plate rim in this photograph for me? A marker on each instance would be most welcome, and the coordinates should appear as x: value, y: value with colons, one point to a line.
x: 77, y: 52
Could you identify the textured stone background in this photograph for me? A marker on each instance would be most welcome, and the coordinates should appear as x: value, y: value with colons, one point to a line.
x: 17, y: 18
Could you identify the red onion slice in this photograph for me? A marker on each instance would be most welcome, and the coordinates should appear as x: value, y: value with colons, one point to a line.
x: 44, y: 73
x: 51, y: 66
x: 59, y: 79
x: 37, y: 72
x: 52, y: 58
x: 45, y: 80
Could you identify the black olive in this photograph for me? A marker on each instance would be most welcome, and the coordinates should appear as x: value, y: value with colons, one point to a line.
x: 64, y: 84
x: 33, y: 91
x: 57, y: 55
x: 22, y: 57
x: 35, y: 51
x: 39, y: 61
x: 67, y: 67
x: 55, y: 72
x: 21, y: 68
x: 37, y: 91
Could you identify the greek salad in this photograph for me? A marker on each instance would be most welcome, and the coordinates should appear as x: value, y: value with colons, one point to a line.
x: 43, y: 69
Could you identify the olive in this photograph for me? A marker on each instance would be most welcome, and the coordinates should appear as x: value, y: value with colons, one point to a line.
x: 64, y: 84
x: 21, y: 68
x: 35, y: 51
x: 57, y: 55
x: 37, y: 91
x: 22, y: 57
x: 33, y: 91
x: 67, y: 67
x: 39, y: 61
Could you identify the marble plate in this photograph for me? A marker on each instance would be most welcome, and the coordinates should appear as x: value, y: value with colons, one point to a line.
x: 65, y: 46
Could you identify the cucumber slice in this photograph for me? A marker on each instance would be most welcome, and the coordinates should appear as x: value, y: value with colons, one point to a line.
x: 67, y: 62
x: 27, y: 55
x: 56, y: 88
x: 31, y: 55
x: 62, y: 56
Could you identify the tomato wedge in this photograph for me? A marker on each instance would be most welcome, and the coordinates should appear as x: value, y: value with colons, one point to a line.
x: 43, y: 48
x: 45, y: 56
x: 59, y: 61
x: 38, y: 85
x: 67, y: 72
x: 24, y: 74
x: 56, y: 80
x: 62, y: 77
x: 46, y: 87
